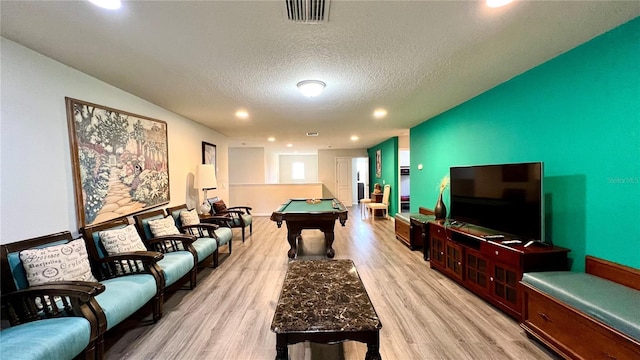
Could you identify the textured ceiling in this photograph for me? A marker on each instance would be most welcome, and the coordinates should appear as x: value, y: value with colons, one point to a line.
x: 206, y: 59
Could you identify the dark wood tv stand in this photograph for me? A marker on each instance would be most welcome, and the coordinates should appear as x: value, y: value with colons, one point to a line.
x: 489, y: 268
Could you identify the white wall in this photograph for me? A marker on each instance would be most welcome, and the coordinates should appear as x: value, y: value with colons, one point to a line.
x: 327, y: 167
x: 247, y: 165
x: 310, y: 168
x: 265, y: 198
x: 36, y: 183
x: 403, y: 142
x: 272, y: 167
x: 405, y: 157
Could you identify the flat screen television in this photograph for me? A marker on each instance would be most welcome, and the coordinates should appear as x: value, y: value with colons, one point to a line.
x: 507, y: 198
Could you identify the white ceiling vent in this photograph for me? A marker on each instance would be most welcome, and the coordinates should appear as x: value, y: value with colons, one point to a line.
x: 312, y: 134
x: 308, y: 11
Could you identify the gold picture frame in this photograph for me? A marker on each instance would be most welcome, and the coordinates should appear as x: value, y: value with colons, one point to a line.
x: 120, y: 161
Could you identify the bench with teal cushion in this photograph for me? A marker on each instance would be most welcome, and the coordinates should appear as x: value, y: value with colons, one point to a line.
x: 404, y: 217
x: 611, y: 303
x: 589, y: 315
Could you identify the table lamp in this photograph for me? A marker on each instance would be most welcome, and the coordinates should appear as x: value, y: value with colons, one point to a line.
x: 205, y: 180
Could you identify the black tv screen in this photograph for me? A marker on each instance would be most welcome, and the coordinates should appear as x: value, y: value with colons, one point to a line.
x: 507, y: 198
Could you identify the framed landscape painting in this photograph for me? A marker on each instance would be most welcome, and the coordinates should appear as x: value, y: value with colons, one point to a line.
x: 120, y: 161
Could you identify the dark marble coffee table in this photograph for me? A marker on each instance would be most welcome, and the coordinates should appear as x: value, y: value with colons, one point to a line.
x: 324, y: 301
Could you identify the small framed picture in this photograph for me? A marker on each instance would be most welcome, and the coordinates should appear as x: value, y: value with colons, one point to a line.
x: 209, y: 155
x: 379, y: 163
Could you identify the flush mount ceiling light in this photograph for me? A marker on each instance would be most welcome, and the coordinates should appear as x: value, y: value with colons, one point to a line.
x: 379, y: 113
x: 311, y: 88
x: 242, y: 114
x: 107, y: 4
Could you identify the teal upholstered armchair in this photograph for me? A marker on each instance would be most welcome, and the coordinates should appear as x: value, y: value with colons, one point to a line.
x: 240, y: 215
x: 107, y: 302
x: 177, y: 264
x: 205, y: 248
x: 188, y: 222
x: 132, y: 279
x: 52, y: 321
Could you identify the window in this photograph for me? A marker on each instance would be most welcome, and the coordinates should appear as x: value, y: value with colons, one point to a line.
x: 297, y: 171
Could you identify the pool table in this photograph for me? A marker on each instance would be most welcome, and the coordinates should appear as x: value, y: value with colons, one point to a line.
x: 301, y: 214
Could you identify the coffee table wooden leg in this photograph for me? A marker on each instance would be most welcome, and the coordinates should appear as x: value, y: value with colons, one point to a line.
x: 373, y: 348
x: 282, y: 351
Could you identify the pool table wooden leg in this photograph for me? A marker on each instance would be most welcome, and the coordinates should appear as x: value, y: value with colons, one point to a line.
x: 328, y: 239
x: 292, y: 237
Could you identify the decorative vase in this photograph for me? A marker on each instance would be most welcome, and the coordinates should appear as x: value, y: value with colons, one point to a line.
x: 440, y: 210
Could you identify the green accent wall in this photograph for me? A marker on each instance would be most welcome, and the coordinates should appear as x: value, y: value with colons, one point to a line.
x: 579, y: 113
x: 390, y: 170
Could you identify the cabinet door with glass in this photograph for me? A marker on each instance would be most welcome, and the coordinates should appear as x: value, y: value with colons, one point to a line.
x: 437, y: 247
x: 504, y: 286
x: 476, y: 271
x: 453, y: 260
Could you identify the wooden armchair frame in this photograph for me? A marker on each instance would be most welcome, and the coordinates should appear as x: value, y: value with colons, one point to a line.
x: 106, y: 266
x: 235, y: 214
x: 198, y: 231
x: 75, y: 299
x: 162, y: 244
x: 207, y: 228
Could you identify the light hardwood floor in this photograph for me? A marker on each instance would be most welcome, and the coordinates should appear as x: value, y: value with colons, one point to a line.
x: 228, y: 316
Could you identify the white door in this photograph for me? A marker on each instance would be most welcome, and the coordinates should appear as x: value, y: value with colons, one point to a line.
x: 343, y: 180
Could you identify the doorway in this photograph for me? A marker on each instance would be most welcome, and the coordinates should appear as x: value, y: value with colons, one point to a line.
x: 360, y: 179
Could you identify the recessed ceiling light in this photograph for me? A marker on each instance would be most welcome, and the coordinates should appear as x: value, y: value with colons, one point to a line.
x: 242, y: 114
x: 289, y: 145
x: 107, y: 4
x: 272, y: 139
x: 379, y: 113
x: 497, y: 3
x: 354, y: 137
x: 311, y: 88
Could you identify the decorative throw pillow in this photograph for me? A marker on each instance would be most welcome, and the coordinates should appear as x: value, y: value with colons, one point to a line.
x: 121, y: 240
x: 189, y: 217
x: 164, y: 226
x: 65, y: 262
x: 219, y: 206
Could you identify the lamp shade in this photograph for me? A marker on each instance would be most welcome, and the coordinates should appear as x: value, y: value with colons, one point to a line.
x: 206, y: 177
